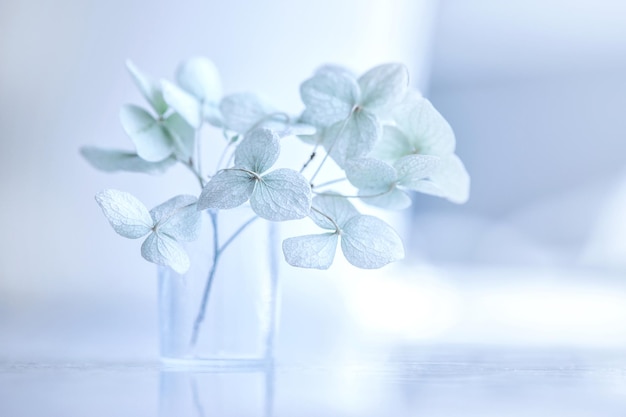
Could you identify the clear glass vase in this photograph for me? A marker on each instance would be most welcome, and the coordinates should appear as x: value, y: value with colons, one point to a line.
x: 223, y: 311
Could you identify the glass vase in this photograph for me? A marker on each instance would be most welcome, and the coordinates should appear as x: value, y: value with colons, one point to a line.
x: 223, y: 311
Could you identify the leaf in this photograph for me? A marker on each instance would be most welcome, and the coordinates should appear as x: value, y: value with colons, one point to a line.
x: 227, y: 189
x: 199, y: 76
x: 336, y: 207
x: 243, y: 111
x: 368, y: 242
x: 183, y: 103
x: 161, y: 249
x: 126, y: 214
x: 352, y: 138
x: 427, y: 130
x: 110, y: 160
x: 183, y: 135
x: 311, y: 251
x: 152, y: 140
x: 149, y: 88
x: 383, y: 86
x: 329, y: 95
x: 178, y: 218
x: 258, y: 151
x: 283, y: 194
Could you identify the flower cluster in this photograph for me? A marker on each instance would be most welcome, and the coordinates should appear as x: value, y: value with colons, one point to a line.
x: 385, y: 139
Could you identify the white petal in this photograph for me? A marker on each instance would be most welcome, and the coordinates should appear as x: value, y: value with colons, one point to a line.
x: 243, y: 111
x: 352, y: 138
x: 368, y: 242
x: 329, y: 95
x: 450, y: 181
x: 393, y: 199
x: 258, y: 151
x: 153, y: 141
x: 149, y: 88
x: 383, y: 86
x: 393, y: 145
x: 336, y: 207
x: 163, y: 250
x: 283, y: 194
x: 183, y: 102
x: 200, y: 77
x: 126, y: 214
x: 414, y: 168
x: 311, y: 251
x: 183, y: 135
x: 227, y: 189
x: 370, y: 174
x: 110, y: 160
x: 427, y: 130
x: 178, y: 218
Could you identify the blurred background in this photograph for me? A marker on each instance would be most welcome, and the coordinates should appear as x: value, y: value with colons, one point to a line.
x: 535, y: 91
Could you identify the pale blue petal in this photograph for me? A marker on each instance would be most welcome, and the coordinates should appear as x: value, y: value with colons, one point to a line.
x: 227, y: 189
x: 352, y: 138
x: 199, y: 76
x: 450, y: 181
x: 163, y: 250
x: 415, y: 168
x: 150, y: 88
x: 152, y: 140
x: 311, y: 251
x: 283, y: 194
x: 368, y: 242
x: 183, y: 135
x: 330, y: 95
x: 126, y: 214
x: 383, y: 86
x: 370, y: 174
x: 110, y: 160
x: 183, y: 103
x: 258, y: 151
x: 243, y: 111
x: 336, y: 207
x: 178, y: 218
x: 392, y: 199
x: 393, y: 145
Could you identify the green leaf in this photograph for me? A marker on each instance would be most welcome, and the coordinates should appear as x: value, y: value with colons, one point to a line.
x: 110, y: 160
x: 178, y: 218
x: 329, y: 96
x: 161, y: 249
x: 183, y: 103
x: 368, y: 242
x: 227, y: 189
x: 311, y: 251
x: 258, y: 151
x: 149, y: 88
x: 126, y: 214
x: 283, y: 194
x: 199, y: 76
x: 383, y: 86
x: 152, y: 140
x: 352, y: 138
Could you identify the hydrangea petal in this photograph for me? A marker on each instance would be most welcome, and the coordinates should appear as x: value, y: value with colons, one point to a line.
x: 111, y: 160
x: 393, y: 145
x: 184, y: 103
x: 370, y: 174
x: 243, y: 111
x: 336, y: 207
x: 126, y: 214
x: 383, y: 86
x: 311, y: 251
x: 183, y: 135
x: 161, y: 249
x: 200, y: 77
x: 227, y: 189
x: 391, y: 199
x: 149, y: 88
x: 368, y: 242
x: 258, y: 151
x: 352, y: 138
x: 414, y: 168
x: 330, y: 96
x: 178, y: 218
x: 450, y: 181
x: 283, y: 194
x: 152, y: 140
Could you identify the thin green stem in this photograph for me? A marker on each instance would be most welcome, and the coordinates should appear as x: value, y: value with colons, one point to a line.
x: 330, y: 219
x: 237, y: 232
